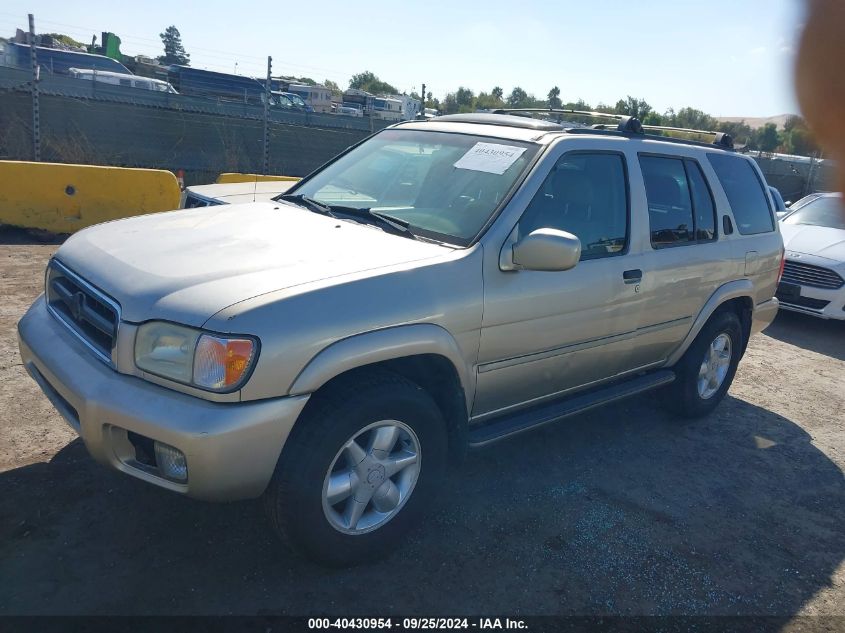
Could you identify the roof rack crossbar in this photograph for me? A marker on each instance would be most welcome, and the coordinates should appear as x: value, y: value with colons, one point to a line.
x: 625, y: 123
x: 723, y: 139
x: 559, y: 110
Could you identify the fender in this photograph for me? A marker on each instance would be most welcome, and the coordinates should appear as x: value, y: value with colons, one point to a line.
x: 726, y: 292
x: 382, y: 345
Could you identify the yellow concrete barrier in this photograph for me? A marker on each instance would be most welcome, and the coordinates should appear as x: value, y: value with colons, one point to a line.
x: 233, y: 177
x: 66, y: 198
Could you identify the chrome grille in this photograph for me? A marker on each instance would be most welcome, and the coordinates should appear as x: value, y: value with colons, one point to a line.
x: 809, y: 275
x: 88, y: 313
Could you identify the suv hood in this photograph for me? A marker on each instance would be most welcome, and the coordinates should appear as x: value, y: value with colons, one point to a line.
x: 822, y: 241
x: 186, y: 266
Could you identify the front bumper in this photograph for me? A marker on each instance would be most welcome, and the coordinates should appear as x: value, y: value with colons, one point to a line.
x: 231, y: 448
x: 819, y: 302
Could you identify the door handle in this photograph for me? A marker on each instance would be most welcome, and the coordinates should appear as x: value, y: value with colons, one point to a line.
x: 632, y: 276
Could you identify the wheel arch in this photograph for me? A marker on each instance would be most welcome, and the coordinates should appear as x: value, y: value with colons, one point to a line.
x: 735, y: 296
x: 425, y: 354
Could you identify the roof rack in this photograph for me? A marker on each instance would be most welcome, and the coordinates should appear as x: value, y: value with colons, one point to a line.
x: 625, y: 124
x: 723, y: 139
x: 511, y: 121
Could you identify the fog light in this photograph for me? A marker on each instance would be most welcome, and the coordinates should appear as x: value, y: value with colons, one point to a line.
x: 171, y: 462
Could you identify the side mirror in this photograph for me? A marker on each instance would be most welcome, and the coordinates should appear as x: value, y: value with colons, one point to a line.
x: 547, y: 249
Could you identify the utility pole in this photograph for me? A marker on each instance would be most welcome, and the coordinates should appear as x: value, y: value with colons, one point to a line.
x: 36, y: 110
x: 267, y: 117
x: 421, y: 114
x: 808, y: 189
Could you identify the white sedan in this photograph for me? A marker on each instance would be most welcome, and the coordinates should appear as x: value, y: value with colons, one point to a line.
x: 233, y: 192
x: 813, y: 279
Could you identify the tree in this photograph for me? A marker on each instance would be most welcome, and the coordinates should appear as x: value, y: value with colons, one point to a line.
x: 580, y: 104
x: 450, y: 104
x: 497, y: 93
x: 361, y: 80
x: 466, y: 99
x: 740, y: 132
x: 554, y: 97
x: 797, y: 137
x: 652, y: 118
x: 369, y: 82
x: 767, y: 138
x: 174, y: 52
x: 486, y: 101
x: 631, y: 106
x: 331, y: 85
x: 691, y: 118
x: 517, y: 98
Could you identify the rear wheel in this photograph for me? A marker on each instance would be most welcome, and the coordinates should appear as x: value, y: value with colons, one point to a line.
x: 359, y: 469
x: 705, y: 372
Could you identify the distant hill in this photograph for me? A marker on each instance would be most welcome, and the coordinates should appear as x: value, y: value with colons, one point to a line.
x: 755, y: 122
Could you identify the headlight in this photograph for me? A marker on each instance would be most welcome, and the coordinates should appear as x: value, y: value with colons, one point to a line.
x: 209, y: 361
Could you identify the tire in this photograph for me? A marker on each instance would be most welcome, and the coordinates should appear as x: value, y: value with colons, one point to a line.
x: 687, y: 396
x: 357, y: 408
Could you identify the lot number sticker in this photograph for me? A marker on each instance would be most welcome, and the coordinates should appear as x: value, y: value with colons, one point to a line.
x: 490, y: 157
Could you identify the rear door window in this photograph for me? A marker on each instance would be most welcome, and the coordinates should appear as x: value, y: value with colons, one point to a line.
x: 669, y: 203
x: 680, y: 207
x: 745, y: 193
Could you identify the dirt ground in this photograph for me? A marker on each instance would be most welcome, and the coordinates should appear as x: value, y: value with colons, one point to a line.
x: 621, y: 511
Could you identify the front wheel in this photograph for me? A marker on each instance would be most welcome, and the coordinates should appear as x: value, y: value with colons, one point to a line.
x: 705, y: 372
x: 359, y: 469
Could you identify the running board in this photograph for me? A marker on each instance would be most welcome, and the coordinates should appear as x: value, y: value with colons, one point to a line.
x: 509, y: 425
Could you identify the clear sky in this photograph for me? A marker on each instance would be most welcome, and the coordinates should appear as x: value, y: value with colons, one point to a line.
x: 726, y: 57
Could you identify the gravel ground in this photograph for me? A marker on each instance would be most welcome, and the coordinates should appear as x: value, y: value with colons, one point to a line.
x: 621, y: 511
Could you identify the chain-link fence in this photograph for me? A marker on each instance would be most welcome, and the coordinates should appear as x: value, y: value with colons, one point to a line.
x: 96, y: 123
x: 104, y: 124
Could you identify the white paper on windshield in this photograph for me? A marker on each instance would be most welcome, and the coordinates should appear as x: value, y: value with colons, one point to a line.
x: 490, y: 157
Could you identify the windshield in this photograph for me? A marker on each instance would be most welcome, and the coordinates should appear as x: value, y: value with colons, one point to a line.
x: 297, y: 100
x: 805, y: 200
x: 827, y: 211
x: 442, y: 184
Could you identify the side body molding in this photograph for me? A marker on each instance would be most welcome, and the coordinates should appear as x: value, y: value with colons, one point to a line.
x: 381, y: 345
x: 726, y: 292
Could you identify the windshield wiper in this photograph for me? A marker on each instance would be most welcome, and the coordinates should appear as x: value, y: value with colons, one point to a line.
x: 309, y: 203
x: 397, y: 224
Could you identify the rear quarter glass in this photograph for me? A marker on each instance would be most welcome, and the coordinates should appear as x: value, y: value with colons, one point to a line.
x: 745, y: 193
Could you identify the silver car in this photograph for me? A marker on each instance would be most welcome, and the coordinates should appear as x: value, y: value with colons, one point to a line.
x: 443, y: 285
